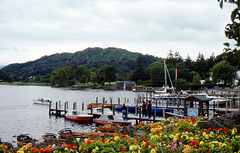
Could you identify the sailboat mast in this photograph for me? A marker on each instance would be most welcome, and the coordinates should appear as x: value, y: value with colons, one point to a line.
x: 165, y: 71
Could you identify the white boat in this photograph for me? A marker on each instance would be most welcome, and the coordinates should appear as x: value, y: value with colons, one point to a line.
x: 80, y: 116
x: 111, y: 119
x: 42, y: 101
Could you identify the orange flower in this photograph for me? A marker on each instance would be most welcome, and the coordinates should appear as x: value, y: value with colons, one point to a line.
x: 135, y: 141
x: 42, y: 150
x: 127, y: 136
x: 92, y: 141
x: 170, y: 118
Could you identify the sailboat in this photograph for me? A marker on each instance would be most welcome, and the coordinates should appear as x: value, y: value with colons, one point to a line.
x: 164, y: 93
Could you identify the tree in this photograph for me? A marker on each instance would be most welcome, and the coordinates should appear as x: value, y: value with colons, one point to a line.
x: 62, y: 76
x: 110, y: 74
x: 122, y: 76
x: 139, y: 73
x: 156, y: 73
x: 223, y: 72
x: 232, y: 31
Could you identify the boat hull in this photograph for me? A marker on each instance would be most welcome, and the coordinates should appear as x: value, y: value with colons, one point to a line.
x: 79, y: 118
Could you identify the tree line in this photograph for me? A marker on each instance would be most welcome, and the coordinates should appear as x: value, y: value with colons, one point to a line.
x: 185, y: 73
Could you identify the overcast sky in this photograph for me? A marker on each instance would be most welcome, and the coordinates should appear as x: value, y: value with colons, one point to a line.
x: 30, y: 29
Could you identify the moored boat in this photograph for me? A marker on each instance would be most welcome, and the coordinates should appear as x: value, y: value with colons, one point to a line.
x: 42, y: 101
x: 111, y: 119
x: 49, y: 136
x: 97, y: 105
x: 78, y: 116
x: 24, y: 138
x: 67, y: 133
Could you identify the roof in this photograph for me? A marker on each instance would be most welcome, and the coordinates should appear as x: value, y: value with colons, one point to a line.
x: 199, y: 98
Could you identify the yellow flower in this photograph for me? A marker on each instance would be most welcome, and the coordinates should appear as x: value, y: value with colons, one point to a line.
x: 113, y: 142
x: 191, y: 138
x: 20, y: 151
x: 117, y: 138
x: 97, y: 148
x: 85, y: 140
x: 171, y: 136
x: 187, y: 150
x: 80, y: 148
x: 153, y: 151
x: 201, y: 143
x: 94, y: 151
x: 175, y: 138
x: 234, y: 131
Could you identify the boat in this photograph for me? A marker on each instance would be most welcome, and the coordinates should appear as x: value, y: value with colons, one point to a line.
x: 49, y: 136
x: 111, y: 119
x: 78, y: 116
x: 24, y: 138
x: 67, y: 133
x: 107, y: 128
x: 97, y: 105
x: 42, y: 101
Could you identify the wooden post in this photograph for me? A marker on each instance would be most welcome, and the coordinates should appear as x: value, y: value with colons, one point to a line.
x: 91, y: 108
x: 111, y: 102
x: 164, y: 112
x: 113, y: 108
x: 59, y: 103
x: 118, y: 101
x: 75, y: 106
x: 49, y: 107
x: 82, y: 106
x: 67, y: 104
x: 65, y: 108
x: 140, y: 114
x: 103, y: 100
x: 56, y: 108
x: 154, y: 114
x: 96, y: 99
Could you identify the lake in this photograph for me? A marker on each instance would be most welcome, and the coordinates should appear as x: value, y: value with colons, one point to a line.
x: 18, y: 114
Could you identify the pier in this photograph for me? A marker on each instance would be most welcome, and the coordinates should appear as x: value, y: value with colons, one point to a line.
x: 178, y: 106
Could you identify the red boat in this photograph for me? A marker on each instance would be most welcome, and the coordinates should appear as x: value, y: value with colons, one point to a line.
x: 111, y: 119
x: 78, y: 116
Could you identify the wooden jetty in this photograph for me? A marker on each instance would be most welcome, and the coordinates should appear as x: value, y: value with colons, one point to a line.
x: 181, y: 106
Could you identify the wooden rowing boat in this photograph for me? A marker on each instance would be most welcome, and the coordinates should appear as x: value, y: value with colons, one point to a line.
x: 24, y: 138
x: 107, y: 127
x: 67, y: 133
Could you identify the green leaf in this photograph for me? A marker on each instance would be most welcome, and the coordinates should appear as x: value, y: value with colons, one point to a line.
x: 221, y: 4
x: 226, y: 44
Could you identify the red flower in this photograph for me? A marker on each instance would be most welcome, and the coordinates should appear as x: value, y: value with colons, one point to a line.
x: 204, y: 150
x: 123, y: 149
x: 147, y: 143
x: 47, y: 150
x: 73, y: 145
x: 41, y: 150
x: 153, y: 146
x: 209, y: 129
x: 205, y: 130
x: 143, y: 138
x: 187, y: 128
x: 89, y: 142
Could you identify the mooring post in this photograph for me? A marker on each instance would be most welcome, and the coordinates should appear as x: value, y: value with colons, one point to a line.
x: 65, y: 108
x: 140, y: 114
x: 91, y: 108
x: 103, y: 100
x: 49, y: 107
x: 82, y: 106
x: 164, y: 112
x: 111, y: 102
x: 154, y: 114
x: 59, y: 104
x: 56, y: 109
x: 113, y: 109
x: 96, y: 99
x: 75, y: 106
x: 118, y: 101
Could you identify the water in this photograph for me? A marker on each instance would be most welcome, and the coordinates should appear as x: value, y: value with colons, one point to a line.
x: 18, y: 114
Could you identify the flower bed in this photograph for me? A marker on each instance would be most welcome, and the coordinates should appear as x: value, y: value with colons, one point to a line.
x: 182, y: 135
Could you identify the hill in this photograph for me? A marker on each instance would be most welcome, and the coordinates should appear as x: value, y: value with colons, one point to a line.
x: 91, y: 57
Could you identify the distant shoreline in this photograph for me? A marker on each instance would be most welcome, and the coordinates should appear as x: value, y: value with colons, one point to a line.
x: 24, y: 84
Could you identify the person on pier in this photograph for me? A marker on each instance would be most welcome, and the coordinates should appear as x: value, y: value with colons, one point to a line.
x: 149, y: 108
x: 144, y: 110
x: 124, y: 112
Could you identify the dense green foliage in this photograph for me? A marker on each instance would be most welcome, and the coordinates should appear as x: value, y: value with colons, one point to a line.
x: 91, y: 57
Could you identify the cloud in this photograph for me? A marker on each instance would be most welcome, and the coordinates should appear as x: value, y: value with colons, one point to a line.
x: 148, y: 26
